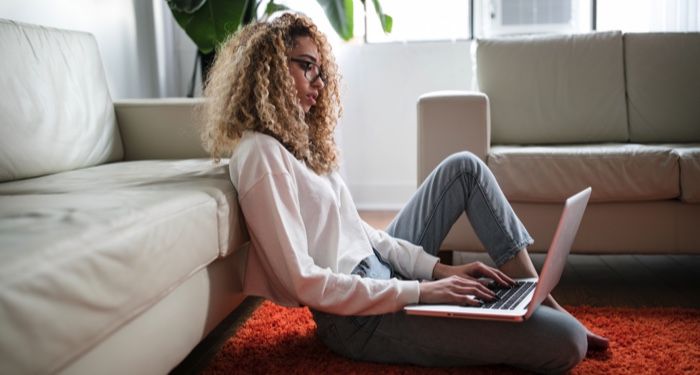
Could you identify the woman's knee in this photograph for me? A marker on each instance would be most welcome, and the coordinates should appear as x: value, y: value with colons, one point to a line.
x: 462, y: 162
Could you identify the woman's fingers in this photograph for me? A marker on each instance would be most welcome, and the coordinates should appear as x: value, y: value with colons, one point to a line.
x: 455, y: 289
x: 468, y: 301
x: 494, y: 274
x: 501, y: 278
x: 471, y: 287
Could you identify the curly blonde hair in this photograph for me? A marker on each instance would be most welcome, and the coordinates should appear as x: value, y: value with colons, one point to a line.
x: 250, y: 88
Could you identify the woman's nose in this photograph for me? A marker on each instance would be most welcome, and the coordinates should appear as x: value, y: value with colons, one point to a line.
x: 318, y: 83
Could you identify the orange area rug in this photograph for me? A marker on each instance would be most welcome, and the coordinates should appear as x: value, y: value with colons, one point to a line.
x: 280, y: 340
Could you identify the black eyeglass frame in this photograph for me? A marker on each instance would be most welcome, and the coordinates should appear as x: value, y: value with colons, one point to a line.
x: 306, y: 67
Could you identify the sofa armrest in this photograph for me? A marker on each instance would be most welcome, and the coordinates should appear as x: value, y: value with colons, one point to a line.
x: 159, y: 128
x: 449, y: 122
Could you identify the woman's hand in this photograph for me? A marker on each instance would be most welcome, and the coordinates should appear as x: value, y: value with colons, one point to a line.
x: 455, y: 290
x: 473, y: 271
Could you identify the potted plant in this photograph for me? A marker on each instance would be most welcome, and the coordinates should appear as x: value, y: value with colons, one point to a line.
x: 209, y: 22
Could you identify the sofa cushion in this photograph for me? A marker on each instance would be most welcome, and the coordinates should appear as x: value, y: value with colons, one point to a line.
x: 88, y: 250
x: 616, y: 172
x: 663, y: 77
x: 554, y: 89
x: 689, y: 159
x: 55, y: 110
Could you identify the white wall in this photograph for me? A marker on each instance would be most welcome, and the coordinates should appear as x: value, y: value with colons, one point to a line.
x: 381, y: 85
x: 123, y: 29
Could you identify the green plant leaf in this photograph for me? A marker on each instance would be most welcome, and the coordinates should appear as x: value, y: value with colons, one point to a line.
x: 209, y: 22
x: 250, y: 11
x: 386, y: 20
x: 187, y: 6
x: 212, y: 22
x: 340, y: 15
x: 272, y: 8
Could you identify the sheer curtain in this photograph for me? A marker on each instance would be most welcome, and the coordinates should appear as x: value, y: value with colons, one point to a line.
x: 649, y: 15
x: 175, y: 54
x: 675, y: 15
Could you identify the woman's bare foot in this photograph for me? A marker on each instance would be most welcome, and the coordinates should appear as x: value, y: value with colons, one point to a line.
x: 595, y: 342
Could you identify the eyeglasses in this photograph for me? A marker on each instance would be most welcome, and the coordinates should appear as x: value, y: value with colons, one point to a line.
x: 312, y: 71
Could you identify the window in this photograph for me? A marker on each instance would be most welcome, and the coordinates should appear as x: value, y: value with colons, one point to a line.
x: 420, y: 20
x: 648, y: 15
x: 510, y: 17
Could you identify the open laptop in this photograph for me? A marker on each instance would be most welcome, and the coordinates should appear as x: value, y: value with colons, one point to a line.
x: 518, y: 303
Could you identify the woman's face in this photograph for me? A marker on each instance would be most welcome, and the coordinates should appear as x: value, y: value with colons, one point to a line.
x: 307, y: 74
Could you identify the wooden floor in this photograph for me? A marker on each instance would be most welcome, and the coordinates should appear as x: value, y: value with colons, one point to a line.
x: 607, y: 280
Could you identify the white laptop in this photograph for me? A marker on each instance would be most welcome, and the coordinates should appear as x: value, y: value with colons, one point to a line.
x: 517, y: 304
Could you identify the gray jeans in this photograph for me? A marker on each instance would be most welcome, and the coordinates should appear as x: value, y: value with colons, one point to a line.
x: 550, y: 341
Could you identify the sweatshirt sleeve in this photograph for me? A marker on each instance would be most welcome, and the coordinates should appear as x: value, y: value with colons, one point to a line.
x: 409, y: 259
x: 272, y: 212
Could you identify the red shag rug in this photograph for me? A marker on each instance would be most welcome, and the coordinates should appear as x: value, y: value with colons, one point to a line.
x: 280, y: 340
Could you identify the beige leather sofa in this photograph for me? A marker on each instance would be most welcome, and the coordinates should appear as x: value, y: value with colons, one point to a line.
x: 554, y: 114
x: 119, y: 240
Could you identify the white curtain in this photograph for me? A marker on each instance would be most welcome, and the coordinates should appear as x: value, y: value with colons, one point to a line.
x: 674, y: 15
x: 175, y: 54
x: 649, y: 15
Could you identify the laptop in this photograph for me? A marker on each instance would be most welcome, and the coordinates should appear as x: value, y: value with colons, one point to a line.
x: 518, y: 303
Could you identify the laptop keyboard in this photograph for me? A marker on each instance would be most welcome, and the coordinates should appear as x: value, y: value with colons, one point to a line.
x: 509, y: 298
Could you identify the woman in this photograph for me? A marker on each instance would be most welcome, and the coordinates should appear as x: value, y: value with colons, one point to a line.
x: 273, y: 101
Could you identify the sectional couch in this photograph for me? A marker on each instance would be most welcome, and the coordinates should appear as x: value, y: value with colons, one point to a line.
x: 554, y: 114
x: 120, y: 242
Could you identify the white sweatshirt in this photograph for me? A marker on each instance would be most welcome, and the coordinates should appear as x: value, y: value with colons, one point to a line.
x: 306, y: 237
